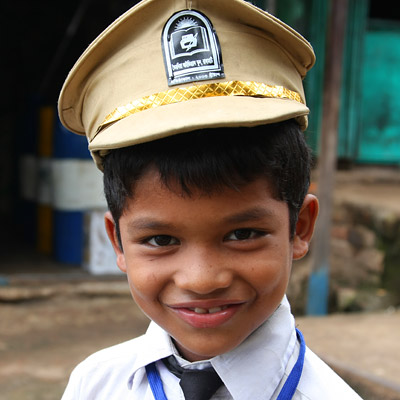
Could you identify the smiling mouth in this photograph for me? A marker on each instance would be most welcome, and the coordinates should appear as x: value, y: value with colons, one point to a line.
x: 212, y: 316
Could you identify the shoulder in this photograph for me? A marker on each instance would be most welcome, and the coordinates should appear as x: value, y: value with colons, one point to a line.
x: 112, y: 365
x: 320, y: 381
x: 123, y: 353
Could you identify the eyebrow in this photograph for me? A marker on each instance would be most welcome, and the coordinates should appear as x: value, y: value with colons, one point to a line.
x: 148, y: 224
x: 253, y: 214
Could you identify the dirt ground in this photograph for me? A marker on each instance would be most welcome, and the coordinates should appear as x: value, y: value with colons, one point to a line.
x: 42, y: 340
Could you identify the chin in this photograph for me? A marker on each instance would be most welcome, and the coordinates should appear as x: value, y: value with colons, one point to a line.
x: 206, y: 348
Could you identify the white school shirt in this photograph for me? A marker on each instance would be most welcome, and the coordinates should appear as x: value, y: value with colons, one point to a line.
x: 255, y: 370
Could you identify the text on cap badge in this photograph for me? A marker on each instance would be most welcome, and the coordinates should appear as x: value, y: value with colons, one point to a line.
x: 191, y: 49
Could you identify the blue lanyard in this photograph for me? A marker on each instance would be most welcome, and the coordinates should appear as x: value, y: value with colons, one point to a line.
x: 286, y: 392
x: 293, y: 379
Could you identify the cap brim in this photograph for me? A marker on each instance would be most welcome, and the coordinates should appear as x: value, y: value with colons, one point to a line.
x: 213, y: 112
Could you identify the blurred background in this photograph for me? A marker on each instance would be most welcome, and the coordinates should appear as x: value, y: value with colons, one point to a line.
x: 53, y: 245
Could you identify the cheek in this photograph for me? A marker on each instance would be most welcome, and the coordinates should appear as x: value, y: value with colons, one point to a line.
x: 272, y: 278
x: 145, y: 290
x: 145, y: 283
x: 271, y: 272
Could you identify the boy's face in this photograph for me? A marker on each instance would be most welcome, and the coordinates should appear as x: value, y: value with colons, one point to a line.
x: 209, y: 269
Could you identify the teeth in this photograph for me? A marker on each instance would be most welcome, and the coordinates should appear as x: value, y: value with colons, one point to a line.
x: 212, y: 310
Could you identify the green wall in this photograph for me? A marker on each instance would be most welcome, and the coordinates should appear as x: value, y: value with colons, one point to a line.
x: 379, y: 140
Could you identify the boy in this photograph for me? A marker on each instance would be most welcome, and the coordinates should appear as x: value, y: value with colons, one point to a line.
x: 206, y: 173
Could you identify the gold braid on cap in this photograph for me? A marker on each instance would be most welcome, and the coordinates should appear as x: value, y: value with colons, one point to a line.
x: 178, y: 95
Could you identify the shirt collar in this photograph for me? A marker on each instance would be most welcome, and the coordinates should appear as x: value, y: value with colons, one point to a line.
x: 157, y: 345
x: 267, y: 349
x: 265, y: 352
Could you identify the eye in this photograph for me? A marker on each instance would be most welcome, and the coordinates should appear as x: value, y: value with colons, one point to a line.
x: 161, y: 240
x: 244, y: 234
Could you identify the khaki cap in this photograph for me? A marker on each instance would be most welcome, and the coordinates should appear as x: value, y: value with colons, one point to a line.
x: 172, y: 66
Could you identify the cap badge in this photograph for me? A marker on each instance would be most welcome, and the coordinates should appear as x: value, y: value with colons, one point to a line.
x: 191, y: 49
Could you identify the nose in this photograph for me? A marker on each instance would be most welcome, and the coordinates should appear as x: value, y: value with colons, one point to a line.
x: 203, y: 272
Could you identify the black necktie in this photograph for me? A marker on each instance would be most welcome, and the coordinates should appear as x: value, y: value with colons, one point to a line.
x: 197, y: 384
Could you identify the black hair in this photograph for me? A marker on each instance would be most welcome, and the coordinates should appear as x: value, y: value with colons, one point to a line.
x: 211, y: 159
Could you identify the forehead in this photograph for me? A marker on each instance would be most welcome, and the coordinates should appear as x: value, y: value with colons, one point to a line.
x: 204, y: 175
x: 197, y: 182
x: 152, y: 194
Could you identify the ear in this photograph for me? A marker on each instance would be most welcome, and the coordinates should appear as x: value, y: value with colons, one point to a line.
x: 112, y: 235
x: 305, y: 226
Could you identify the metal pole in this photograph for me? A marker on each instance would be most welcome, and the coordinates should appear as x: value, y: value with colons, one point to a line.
x: 318, y: 290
